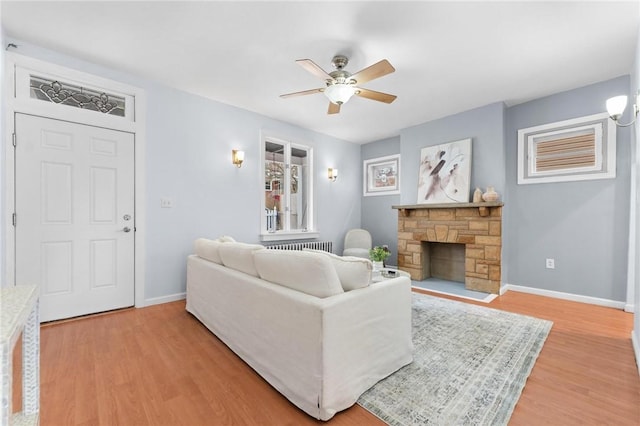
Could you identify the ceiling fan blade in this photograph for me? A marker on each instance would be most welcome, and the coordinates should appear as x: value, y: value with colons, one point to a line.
x: 376, y: 96
x: 377, y: 70
x: 304, y: 92
x: 333, y: 108
x: 314, y: 69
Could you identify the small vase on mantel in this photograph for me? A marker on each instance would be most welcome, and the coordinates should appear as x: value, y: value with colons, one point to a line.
x: 490, y: 195
x: 477, y: 195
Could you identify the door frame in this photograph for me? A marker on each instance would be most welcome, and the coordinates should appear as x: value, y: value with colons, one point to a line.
x: 17, y: 101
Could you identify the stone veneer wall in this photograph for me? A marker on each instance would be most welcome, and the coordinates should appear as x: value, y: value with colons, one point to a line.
x: 478, y: 227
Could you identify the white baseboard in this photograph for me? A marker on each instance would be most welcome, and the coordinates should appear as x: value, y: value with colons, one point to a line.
x: 636, y: 347
x: 164, y: 299
x: 567, y: 296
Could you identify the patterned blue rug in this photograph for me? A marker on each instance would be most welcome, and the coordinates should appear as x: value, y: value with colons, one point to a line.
x: 470, y: 366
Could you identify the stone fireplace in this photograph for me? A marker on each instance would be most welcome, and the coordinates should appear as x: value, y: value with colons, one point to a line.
x: 476, y: 230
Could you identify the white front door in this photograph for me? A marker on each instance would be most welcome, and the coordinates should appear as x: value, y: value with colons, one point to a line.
x: 75, y: 228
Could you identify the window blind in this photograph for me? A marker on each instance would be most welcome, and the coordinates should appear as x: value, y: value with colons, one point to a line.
x: 574, y: 152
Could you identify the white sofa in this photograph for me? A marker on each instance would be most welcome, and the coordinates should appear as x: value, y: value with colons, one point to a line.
x: 317, y: 344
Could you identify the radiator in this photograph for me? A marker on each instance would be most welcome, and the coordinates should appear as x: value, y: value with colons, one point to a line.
x: 315, y: 245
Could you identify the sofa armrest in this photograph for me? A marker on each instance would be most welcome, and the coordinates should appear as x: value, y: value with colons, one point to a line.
x: 366, y: 337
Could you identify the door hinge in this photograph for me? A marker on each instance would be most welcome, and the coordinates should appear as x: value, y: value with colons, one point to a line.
x: 13, y: 219
x: 13, y: 137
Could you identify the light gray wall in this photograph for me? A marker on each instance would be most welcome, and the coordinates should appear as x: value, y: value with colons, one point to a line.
x: 377, y: 215
x: 583, y: 225
x: 188, y: 159
x: 189, y: 140
x: 484, y: 125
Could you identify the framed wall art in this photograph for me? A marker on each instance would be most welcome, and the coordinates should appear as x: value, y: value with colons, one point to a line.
x: 445, y: 173
x: 381, y: 176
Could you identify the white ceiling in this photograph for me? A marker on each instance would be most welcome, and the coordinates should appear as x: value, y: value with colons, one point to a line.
x: 449, y: 56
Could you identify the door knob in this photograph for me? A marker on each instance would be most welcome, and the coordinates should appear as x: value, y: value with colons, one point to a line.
x: 126, y: 229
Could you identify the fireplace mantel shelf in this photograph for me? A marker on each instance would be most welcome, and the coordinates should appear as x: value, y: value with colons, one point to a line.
x: 483, y: 207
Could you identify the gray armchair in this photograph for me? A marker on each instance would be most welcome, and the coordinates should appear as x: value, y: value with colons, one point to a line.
x: 357, y: 243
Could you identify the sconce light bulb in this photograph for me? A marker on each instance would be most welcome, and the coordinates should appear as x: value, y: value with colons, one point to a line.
x: 237, y: 157
x: 616, y: 106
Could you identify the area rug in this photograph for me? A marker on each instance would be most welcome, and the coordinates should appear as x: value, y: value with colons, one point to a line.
x: 470, y: 366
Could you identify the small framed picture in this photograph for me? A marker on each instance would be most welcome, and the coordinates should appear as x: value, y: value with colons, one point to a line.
x: 381, y: 176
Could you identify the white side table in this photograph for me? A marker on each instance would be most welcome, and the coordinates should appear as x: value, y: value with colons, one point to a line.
x: 19, y: 312
x: 387, y: 274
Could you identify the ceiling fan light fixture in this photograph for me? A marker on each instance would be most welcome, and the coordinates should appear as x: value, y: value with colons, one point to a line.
x: 339, y: 93
x: 340, y: 85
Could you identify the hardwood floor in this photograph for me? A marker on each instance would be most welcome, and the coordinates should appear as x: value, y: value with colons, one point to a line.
x: 160, y: 366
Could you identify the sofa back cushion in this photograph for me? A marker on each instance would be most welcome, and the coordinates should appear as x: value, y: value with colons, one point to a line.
x: 354, y: 272
x: 208, y: 249
x: 239, y: 256
x: 310, y: 273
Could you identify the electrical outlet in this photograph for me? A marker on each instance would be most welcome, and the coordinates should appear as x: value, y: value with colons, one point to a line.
x: 551, y: 263
x: 166, y: 203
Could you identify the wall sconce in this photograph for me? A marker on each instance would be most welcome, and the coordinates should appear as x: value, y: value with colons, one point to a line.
x: 237, y: 157
x: 333, y: 174
x: 616, y: 106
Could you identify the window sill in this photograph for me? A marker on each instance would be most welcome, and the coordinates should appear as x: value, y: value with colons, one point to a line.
x: 288, y: 236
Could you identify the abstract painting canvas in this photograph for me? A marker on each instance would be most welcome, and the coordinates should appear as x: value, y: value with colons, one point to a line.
x: 445, y: 173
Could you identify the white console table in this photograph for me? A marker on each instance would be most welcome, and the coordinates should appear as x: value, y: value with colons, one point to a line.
x: 19, y: 314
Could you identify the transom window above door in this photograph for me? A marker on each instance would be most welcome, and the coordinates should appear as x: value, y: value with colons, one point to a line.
x: 50, y: 90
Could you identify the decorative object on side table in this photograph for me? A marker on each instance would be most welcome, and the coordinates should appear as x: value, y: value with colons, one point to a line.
x: 490, y: 195
x: 378, y: 255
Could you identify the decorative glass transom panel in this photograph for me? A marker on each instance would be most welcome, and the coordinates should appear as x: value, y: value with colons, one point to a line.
x: 50, y: 90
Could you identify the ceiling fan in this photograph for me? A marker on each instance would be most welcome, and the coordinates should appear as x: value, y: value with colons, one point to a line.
x: 341, y: 85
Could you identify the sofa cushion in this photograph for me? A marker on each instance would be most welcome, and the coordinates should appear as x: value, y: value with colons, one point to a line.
x: 226, y: 239
x: 239, y: 256
x: 208, y: 249
x: 354, y: 272
x: 310, y: 273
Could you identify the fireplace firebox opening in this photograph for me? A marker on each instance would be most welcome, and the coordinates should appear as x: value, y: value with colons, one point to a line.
x: 444, y: 261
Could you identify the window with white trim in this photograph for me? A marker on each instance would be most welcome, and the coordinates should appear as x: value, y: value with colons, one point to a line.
x: 579, y: 149
x: 287, y: 204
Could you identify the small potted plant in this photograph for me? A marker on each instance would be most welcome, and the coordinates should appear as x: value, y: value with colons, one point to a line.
x: 378, y: 255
